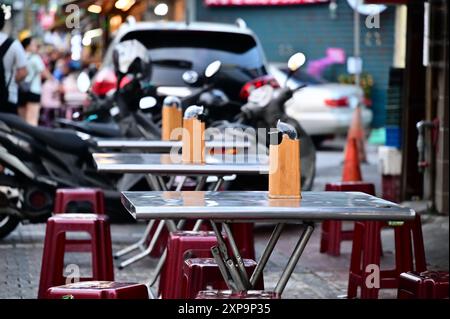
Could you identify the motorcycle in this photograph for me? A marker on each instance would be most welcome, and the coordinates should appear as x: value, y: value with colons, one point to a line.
x: 264, y: 108
x: 35, y: 161
x: 123, y: 111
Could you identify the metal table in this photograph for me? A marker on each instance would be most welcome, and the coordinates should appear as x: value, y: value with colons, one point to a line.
x: 155, y: 165
x: 171, y: 164
x: 163, y: 146
x: 252, y: 206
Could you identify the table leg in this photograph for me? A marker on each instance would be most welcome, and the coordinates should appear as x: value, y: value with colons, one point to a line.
x: 215, y: 251
x: 147, y: 251
x: 153, y: 182
x: 138, y: 244
x: 296, y: 254
x: 218, y: 184
x: 237, y: 256
x: 162, y: 183
x: 235, y: 272
x: 171, y: 182
x: 201, y: 183
x: 163, y: 257
x: 266, y: 254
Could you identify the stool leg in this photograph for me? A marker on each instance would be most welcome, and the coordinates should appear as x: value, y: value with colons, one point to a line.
x: 335, y: 239
x: 403, y: 249
x: 106, y: 250
x: 324, y: 236
x: 371, y: 256
x: 419, y: 248
x: 355, y: 260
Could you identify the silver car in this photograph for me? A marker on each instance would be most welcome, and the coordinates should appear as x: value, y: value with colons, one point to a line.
x: 324, y: 109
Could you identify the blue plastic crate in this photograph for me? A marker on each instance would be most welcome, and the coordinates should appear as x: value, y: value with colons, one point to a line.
x: 393, y: 136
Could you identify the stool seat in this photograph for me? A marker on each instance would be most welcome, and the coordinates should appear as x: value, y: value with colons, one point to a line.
x: 182, y: 245
x: 65, y: 196
x: 424, y: 285
x: 99, y: 290
x: 332, y: 234
x: 56, y: 244
x: 228, y: 294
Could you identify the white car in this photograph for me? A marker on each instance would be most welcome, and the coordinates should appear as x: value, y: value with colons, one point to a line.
x: 323, y: 109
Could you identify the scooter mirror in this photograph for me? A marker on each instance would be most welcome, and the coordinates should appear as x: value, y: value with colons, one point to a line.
x: 296, y: 61
x: 190, y: 77
x: 212, y: 69
x: 83, y: 82
x: 147, y: 102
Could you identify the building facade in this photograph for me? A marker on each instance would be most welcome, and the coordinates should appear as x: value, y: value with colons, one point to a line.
x: 312, y: 28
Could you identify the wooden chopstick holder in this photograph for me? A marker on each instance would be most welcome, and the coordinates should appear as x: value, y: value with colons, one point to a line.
x: 285, y: 169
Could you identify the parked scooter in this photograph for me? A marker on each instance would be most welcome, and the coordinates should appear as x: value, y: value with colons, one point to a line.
x: 122, y: 112
x: 264, y: 108
x: 35, y: 161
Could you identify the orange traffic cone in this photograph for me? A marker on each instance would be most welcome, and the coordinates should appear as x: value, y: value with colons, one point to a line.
x: 351, y: 171
x: 356, y: 131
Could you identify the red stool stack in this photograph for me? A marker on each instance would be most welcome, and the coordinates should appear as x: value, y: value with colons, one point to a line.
x: 332, y: 233
x: 64, y: 196
x: 180, y: 246
x: 203, y: 273
x: 97, y: 227
x: 99, y: 290
x: 365, y: 252
x: 424, y: 285
x: 227, y: 294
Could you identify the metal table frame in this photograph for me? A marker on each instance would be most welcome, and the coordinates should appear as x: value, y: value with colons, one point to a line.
x: 150, y: 165
x: 231, y: 265
x: 160, y: 146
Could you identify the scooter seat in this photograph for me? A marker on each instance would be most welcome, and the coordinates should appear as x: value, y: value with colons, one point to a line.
x: 59, y: 139
x: 94, y: 129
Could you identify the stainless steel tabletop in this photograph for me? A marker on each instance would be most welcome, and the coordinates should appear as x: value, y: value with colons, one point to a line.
x: 256, y: 206
x: 162, y: 146
x: 171, y: 164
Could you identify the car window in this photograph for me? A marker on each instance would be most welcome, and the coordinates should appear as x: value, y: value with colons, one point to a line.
x: 175, y: 51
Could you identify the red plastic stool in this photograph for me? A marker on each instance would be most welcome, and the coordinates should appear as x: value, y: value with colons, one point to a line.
x: 203, y: 273
x: 64, y: 196
x: 97, y: 227
x: 99, y: 290
x: 425, y: 285
x: 332, y: 233
x: 228, y: 294
x: 365, y: 251
x: 180, y: 246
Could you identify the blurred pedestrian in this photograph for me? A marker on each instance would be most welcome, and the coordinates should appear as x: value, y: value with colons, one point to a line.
x: 31, y: 88
x: 13, y: 69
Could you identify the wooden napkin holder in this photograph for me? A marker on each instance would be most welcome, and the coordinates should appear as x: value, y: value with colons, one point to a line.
x: 285, y: 169
x: 172, y: 119
x: 193, y: 141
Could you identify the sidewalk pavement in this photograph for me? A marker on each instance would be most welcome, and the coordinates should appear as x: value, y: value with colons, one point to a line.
x: 316, y: 275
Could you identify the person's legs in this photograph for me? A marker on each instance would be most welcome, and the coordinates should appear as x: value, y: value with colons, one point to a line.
x: 33, y: 109
x: 32, y: 113
x: 22, y: 111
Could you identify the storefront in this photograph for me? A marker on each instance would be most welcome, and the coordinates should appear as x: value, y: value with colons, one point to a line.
x: 312, y: 27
